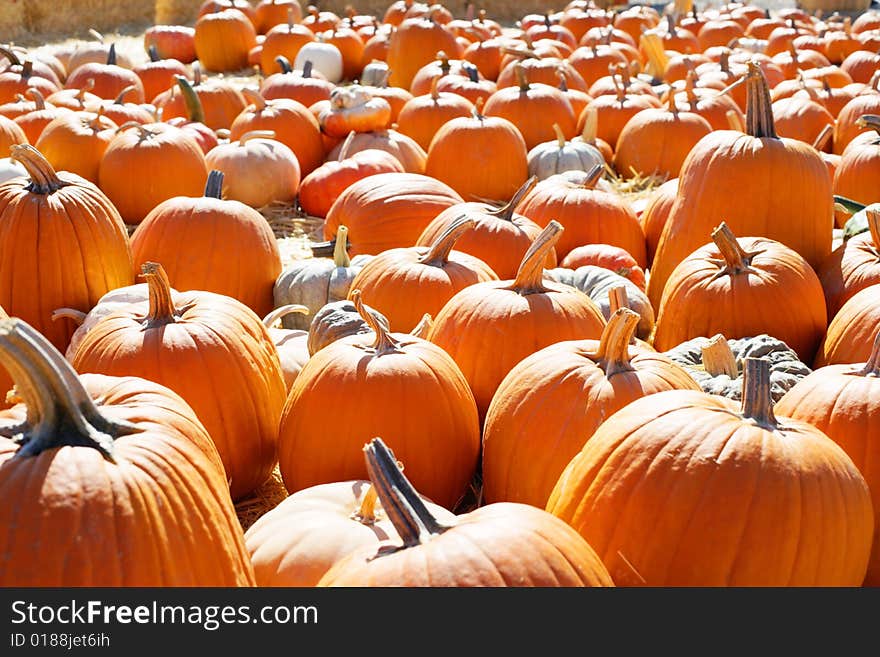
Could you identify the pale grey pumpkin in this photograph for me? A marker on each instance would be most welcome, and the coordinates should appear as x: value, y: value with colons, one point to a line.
x: 336, y: 320
x: 598, y: 282
x: 291, y: 344
x: 375, y: 74
x: 315, y: 282
x: 716, y: 364
x: 557, y: 156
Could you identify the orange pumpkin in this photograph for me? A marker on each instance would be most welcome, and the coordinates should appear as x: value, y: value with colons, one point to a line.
x: 568, y: 390
x: 742, y: 288
x: 127, y: 457
x: 186, y: 232
x: 10, y: 134
x: 187, y: 339
x: 848, y: 339
x: 795, y: 210
x: 193, y: 123
x: 498, y: 545
x: 413, y: 44
x: 405, y: 283
x: 858, y: 172
x: 516, y: 317
x: 422, y: 116
x: 223, y: 40
x: 283, y: 40
x: 350, y: 379
x: 404, y: 149
x: 306, y: 87
x: 158, y: 74
x: 34, y: 121
x: 494, y: 149
x: 852, y: 266
x: 589, y: 215
x: 675, y: 471
x: 170, y: 159
x: 76, y: 142
x: 108, y: 79
x: 172, y: 42
x: 388, y: 210
x: 221, y: 101
x: 269, y: 13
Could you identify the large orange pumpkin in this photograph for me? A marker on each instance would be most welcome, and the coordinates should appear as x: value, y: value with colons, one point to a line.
x: 187, y: 234
x: 76, y: 142
x: 858, y: 174
x: 848, y: 339
x: 489, y: 327
x: 421, y: 117
x: 189, y: 342
x: 405, y: 283
x: 553, y: 401
x: 62, y: 245
x: 852, y: 266
x: 683, y: 488
x: 388, y: 210
x: 435, y: 428
x: 789, y: 192
x: 742, y: 288
x: 147, y: 164
x: 223, y: 40
x: 221, y: 101
x: 497, y: 545
x: 415, y: 43
x: 123, y: 461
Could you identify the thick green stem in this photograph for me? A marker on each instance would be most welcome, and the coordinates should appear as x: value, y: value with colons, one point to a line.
x: 60, y: 413
x: 214, y: 186
x: 195, y: 113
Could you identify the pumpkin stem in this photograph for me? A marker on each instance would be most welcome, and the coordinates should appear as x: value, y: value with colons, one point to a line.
x: 869, y: 121
x: 736, y: 259
x: 195, y: 113
x: 872, y: 367
x: 671, y: 104
x: 717, y: 357
x: 438, y: 254
x: 340, y: 248
x: 591, y: 125
x: 77, y: 316
x: 39, y: 100
x: 284, y: 65
x: 97, y: 36
x: 560, y: 138
x: 255, y: 134
x: 120, y: 99
x: 443, y: 58
x: 423, y: 328
x: 282, y: 311
x: 406, y: 510
x: 530, y: 275
x: 153, y: 54
x: 60, y: 412
x: 613, y: 352
x: 162, y: 310
x: 9, y: 54
x: 521, y: 78
x: 757, y: 404
x: 111, y: 55
x: 472, y: 72
x: 44, y: 179
x: 214, y: 185
x: 366, y: 511
x: 690, y: 84
x: 505, y: 212
x: 563, y: 83
x: 759, y: 110
x: 383, y: 343
x: 435, y: 95
x: 478, y: 110
x: 617, y: 298
x: 593, y: 176
x: 256, y: 98
x: 822, y: 138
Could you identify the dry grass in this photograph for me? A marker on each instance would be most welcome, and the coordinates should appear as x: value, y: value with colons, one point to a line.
x: 263, y: 500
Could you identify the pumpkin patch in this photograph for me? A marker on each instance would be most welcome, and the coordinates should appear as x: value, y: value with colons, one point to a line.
x: 443, y: 295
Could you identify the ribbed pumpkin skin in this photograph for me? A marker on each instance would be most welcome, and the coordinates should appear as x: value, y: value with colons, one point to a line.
x: 299, y: 540
x: 160, y: 516
x: 678, y: 490
x: 146, y: 165
x: 654, y: 217
x: 218, y: 356
x: 499, y: 243
x: 214, y: 245
x: 414, y: 397
x: 388, y: 210
x: 849, y: 335
x: 776, y: 188
x: 780, y: 295
x: 403, y: 289
x: 850, y: 268
x: 590, y: 216
x: 488, y: 328
x: 858, y: 174
x: 498, y: 545
x: 550, y: 404
x: 415, y: 43
x: 64, y: 249
x: 845, y: 406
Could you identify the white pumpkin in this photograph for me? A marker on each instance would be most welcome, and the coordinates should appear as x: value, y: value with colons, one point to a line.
x: 553, y: 157
x: 10, y: 169
x: 325, y: 58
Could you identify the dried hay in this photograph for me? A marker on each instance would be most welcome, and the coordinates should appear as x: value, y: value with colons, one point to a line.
x: 634, y: 188
x: 44, y: 18
x: 262, y: 500
x: 177, y: 12
x: 293, y: 229
x: 12, y: 19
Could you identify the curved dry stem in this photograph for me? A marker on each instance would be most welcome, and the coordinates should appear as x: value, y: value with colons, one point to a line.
x: 612, y: 354
x: 77, y: 316
x: 872, y: 366
x: 438, y: 254
x: 383, y: 343
x: 161, y: 310
x: 423, y: 328
x: 340, y: 248
x: 276, y: 315
x: 530, y: 275
x: 44, y: 179
x: 506, y: 211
